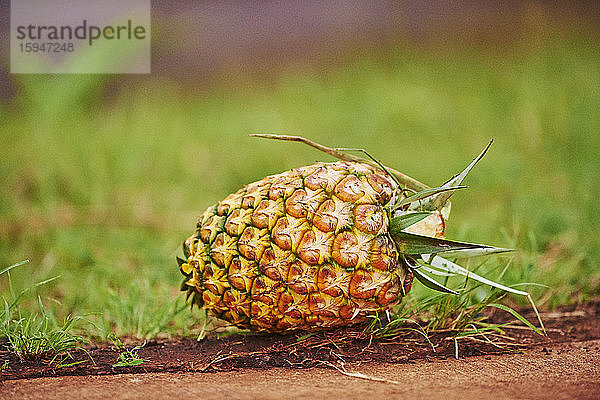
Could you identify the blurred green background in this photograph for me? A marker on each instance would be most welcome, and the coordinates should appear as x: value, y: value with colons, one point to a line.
x: 103, y: 176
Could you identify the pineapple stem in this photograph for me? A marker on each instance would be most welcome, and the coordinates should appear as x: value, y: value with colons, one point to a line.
x: 339, y: 153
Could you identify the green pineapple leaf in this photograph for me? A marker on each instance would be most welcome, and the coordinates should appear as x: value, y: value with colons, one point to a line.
x: 404, y: 221
x: 468, y: 253
x: 436, y: 202
x: 416, y: 197
x: 409, y: 243
x: 448, y: 266
x: 431, y: 283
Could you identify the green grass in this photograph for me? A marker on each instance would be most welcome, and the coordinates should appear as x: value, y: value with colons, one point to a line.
x: 127, y: 357
x: 100, y: 186
x: 37, y: 335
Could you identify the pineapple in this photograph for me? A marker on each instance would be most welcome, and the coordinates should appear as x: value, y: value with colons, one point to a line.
x: 319, y: 246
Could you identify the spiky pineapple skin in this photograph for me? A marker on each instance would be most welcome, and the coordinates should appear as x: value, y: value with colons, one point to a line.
x: 305, y: 249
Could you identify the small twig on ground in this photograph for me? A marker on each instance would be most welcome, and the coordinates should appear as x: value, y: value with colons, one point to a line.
x: 358, y: 375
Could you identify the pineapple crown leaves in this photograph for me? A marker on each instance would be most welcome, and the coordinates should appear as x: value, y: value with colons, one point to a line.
x: 421, y: 253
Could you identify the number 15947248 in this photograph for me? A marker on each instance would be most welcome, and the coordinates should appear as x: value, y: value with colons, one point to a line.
x: 46, y: 47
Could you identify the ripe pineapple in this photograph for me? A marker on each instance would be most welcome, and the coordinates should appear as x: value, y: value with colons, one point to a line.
x: 318, y: 246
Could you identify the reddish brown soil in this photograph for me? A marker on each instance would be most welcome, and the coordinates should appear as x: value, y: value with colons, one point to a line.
x: 566, y: 364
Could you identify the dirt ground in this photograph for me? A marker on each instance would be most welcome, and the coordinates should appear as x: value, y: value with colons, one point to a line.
x: 563, y: 371
x: 347, y: 363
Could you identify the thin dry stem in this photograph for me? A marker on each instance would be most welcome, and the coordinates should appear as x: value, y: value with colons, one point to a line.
x: 359, y: 375
x: 405, y: 180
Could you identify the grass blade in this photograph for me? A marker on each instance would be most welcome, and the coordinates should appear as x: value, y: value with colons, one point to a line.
x: 517, y: 316
x: 13, y: 266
